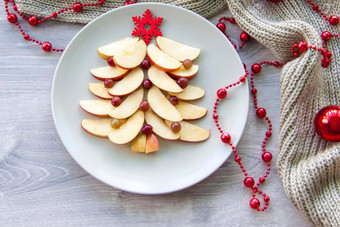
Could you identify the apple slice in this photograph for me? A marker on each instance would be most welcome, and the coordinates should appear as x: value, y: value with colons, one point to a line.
x: 163, y: 81
x: 139, y: 143
x: 151, y: 143
x: 129, y: 130
x: 177, y: 50
x: 114, y: 48
x: 108, y: 72
x: 161, y: 60
x: 129, y: 106
x: 183, y: 72
x: 129, y: 83
x: 159, y: 126
x: 99, y: 108
x: 161, y: 105
x: 189, y: 111
x: 131, y: 56
x: 190, y: 93
x: 99, y: 90
x: 191, y: 133
x: 97, y: 127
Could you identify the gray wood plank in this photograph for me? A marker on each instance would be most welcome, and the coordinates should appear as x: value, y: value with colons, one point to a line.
x: 41, y: 185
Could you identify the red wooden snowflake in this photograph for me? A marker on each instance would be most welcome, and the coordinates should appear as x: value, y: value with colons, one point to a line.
x: 147, y: 18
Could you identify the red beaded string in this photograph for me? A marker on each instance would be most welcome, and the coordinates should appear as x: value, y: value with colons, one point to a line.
x: 34, y: 21
x: 243, y: 36
x: 333, y: 20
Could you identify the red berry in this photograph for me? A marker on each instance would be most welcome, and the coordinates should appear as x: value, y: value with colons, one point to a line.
x: 144, y: 106
x: 108, y: 83
x: 225, y: 137
x: 175, y: 127
x: 249, y: 182
x: 147, y: 129
x: 33, y: 20
x: 333, y: 20
x: 173, y: 100
x: 46, y: 46
x: 302, y: 46
x: 326, y: 35
x: 221, y: 93
x: 183, y: 82
x: 221, y: 26
x: 261, y: 112
x: 256, y: 68
x: 244, y: 37
x: 146, y: 64
x: 187, y: 63
x: 267, y: 156
x: 12, y: 18
x: 77, y: 7
x: 111, y: 62
x: 147, y: 84
x: 116, y: 101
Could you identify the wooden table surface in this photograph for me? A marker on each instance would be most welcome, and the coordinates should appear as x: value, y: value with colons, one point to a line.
x: 41, y: 185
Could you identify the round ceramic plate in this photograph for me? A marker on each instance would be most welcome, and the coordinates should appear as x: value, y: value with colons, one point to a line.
x: 177, y: 164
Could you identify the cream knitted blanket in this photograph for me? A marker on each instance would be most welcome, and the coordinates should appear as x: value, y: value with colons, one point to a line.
x: 309, y: 166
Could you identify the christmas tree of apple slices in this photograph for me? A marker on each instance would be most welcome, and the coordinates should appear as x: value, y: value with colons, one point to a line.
x: 133, y: 109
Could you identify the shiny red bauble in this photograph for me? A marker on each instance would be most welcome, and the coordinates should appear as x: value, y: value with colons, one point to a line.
x: 221, y: 26
x: 333, y: 20
x: 326, y: 35
x: 256, y: 68
x: 266, y: 199
x: 262, y: 180
x: 261, y: 112
x: 225, y: 137
x: 254, y: 203
x: 325, y: 62
x: 12, y: 18
x: 327, y: 123
x: 46, y: 46
x: 267, y: 156
x: 221, y: 93
x: 33, y: 20
x: 249, y: 182
x: 77, y: 7
x: 244, y: 37
x: 302, y: 46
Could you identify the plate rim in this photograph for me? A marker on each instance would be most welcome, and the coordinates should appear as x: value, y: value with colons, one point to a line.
x: 100, y: 177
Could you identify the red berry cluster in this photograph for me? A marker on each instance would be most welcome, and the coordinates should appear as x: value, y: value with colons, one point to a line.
x: 34, y: 21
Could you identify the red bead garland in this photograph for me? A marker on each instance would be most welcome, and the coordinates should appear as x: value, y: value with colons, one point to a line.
x: 34, y: 21
x: 244, y: 37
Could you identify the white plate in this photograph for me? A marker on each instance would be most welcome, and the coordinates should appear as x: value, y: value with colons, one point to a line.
x: 176, y: 165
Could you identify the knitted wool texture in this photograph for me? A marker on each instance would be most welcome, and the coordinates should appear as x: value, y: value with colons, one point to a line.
x: 308, y: 165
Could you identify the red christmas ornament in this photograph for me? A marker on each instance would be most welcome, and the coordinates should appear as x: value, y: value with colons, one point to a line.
x: 154, y: 23
x: 77, y: 7
x: 221, y: 93
x: 254, y: 203
x: 327, y: 123
x: 46, y: 46
x: 333, y: 20
x: 249, y: 182
x: 33, y: 20
x: 12, y: 18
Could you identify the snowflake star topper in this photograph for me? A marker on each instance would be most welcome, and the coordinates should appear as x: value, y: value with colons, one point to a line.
x: 147, y: 19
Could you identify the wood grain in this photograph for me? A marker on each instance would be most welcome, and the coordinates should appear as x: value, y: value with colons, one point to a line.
x: 41, y: 185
